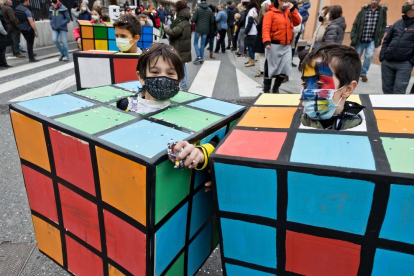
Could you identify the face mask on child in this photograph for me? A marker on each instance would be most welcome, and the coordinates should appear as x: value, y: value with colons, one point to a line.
x: 161, y: 88
x: 123, y: 44
x: 84, y: 8
x: 95, y: 18
x: 318, y: 103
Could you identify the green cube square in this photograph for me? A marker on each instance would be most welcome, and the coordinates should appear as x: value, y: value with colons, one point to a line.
x: 183, y: 97
x: 104, y: 94
x: 189, y: 118
x: 400, y: 154
x: 100, y: 32
x: 171, y: 187
x: 95, y: 120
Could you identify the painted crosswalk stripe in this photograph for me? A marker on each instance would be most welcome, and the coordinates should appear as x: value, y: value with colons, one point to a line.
x: 11, y: 85
x: 26, y: 67
x: 48, y: 90
x: 247, y: 86
x: 205, y: 80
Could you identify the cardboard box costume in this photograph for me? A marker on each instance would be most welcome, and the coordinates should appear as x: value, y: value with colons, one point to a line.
x: 299, y: 201
x: 105, y: 199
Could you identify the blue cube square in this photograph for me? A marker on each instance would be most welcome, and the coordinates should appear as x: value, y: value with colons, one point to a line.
x: 216, y: 106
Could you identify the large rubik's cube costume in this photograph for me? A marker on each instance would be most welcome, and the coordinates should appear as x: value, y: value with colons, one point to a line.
x: 299, y: 201
x: 105, y: 199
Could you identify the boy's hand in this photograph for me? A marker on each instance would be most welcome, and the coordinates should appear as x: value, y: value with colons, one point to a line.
x: 194, y: 155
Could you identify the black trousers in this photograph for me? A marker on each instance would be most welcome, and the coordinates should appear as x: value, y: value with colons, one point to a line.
x: 15, y: 34
x: 30, y: 37
x: 3, y: 61
x: 221, y: 42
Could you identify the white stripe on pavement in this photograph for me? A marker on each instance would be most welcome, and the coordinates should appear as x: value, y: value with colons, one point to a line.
x: 205, y: 80
x: 247, y: 86
x: 48, y: 90
x: 11, y: 85
x: 25, y: 67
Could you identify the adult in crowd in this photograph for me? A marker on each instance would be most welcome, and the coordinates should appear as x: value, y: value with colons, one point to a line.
x: 97, y: 4
x: 180, y: 36
x: 212, y: 33
x: 303, y: 7
x: 84, y: 12
x: 335, y: 31
x: 231, y: 11
x: 278, y: 52
x: 12, y: 27
x: 367, y: 32
x: 397, y: 53
x: 320, y: 31
x: 59, y: 20
x: 251, y: 31
x: 27, y: 27
x: 221, y: 20
x: 162, y: 14
x: 202, y: 18
x: 74, y: 11
x: 5, y: 40
x: 126, y: 4
x: 258, y: 46
x: 242, y: 28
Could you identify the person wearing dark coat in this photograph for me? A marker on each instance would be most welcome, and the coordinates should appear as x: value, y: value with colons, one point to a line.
x: 5, y: 40
x: 336, y: 29
x: 27, y: 27
x: 179, y: 36
x: 212, y: 33
x: 397, y: 53
x: 258, y: 46
x: 231, y: 11
x: 202, y: 18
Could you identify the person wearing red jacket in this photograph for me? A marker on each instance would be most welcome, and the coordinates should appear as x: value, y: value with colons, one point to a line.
x: 277, y: 33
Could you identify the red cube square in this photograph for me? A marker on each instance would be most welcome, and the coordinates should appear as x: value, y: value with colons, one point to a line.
x: 81, y: 261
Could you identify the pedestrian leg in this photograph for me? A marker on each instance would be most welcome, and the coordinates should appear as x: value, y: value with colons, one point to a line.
x: 369, y: 53
x: 64, y: 39
x: 184, y: 82
x: 388, y: 73
x: 402, y: 77
x: 203, y: 41
x: 3, y: 61
x: 55, y: 38
x: 222, y: 40
x: 30, y: 37
x: 15, y: 34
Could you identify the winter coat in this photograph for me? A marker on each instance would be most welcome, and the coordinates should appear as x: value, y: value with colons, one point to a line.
x: 180, y: 35
x: 335, y: 31
x: 162, y: 14
x: 242, y: 20
x: 202, y: 17
x: 303, y: 11
x: 258, y: 46
x: 320, y: 31
x: 9, y: 17
x: 85, y: 16
x: 59, y: 18
x: 75, y: 15
x: 231, y: 11
x: 213, y: 25
x: 5, y: 39
x: 398, y: 44
x: 358, y: 26
x: 278, y: 26
x: 221, y: 20
x: 24, y: 24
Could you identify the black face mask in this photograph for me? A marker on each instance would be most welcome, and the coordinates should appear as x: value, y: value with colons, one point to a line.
x: 161, y: 88
x: 321, y: 19
x: 406, y: 8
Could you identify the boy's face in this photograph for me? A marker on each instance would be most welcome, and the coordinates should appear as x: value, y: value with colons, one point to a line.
x: 321, y: 76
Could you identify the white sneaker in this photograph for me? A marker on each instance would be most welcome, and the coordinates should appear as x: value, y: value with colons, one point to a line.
x: 65, y: 59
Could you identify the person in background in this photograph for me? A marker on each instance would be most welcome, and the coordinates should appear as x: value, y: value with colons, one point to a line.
x: 179, y: 36
x: 397, y: 53
x: 242, y: 24
x: 335, y: 31
x: 27, y: 27
x: 128, y: 10
x: 84, y: 13
x: 143, y: 19
x: 75, y: 13
x: 320, y: 31
x: 221, y: 19
x: 202, y: 18
x: 231, y: 11
x: 150, y: 18
x: 12, y: 27
x: 126, y: 4
x: 251, y: 31
x: 236, y: 31
x: 258, y: 46
x: 97, y: 4
x: 96, y: 16
x: 212, y: 33
x: 162, y: 14
x: 367, y: 32
x: 5, y: 40
x: 59, y: 20
x: 127, y: 33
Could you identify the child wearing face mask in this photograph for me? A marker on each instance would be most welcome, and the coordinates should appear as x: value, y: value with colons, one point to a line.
x: 330, y: 75
x: 128, y: 33
x: 161, y: 71
x: 84, y: 12
x: 96, y: 19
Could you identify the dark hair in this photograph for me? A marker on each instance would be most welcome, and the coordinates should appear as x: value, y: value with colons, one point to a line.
x: 75, y: 4
x: 336, y: 12
x: 130, y: 23
x: 344, y: 61
x: 154, y: 52
x: 253, y: 4
x: 228, y: 2
x: 180, y: 5
x: 98, y: 11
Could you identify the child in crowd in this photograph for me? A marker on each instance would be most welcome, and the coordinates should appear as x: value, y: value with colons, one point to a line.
x: 96, y: 18
x: 330, y: 75
x: 143, y: 19
x: 84, y: 12
x: 236, y: 31
x: 169, y: 22
x: 128, y: 33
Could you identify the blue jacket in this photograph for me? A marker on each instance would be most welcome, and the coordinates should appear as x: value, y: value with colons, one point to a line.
x: 221, y: 19
x: 59, y: 18
x: 303, y: 11
x: 162, y: 14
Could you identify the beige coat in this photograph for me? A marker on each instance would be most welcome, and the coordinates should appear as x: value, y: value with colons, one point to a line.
x: 320, y: 31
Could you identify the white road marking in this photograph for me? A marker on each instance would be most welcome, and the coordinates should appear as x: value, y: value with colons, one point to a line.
x: 205, y: 80
x: 26, y: 67
x: 247, y: 86
x: 48, y: 90
x: 11, y: 85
